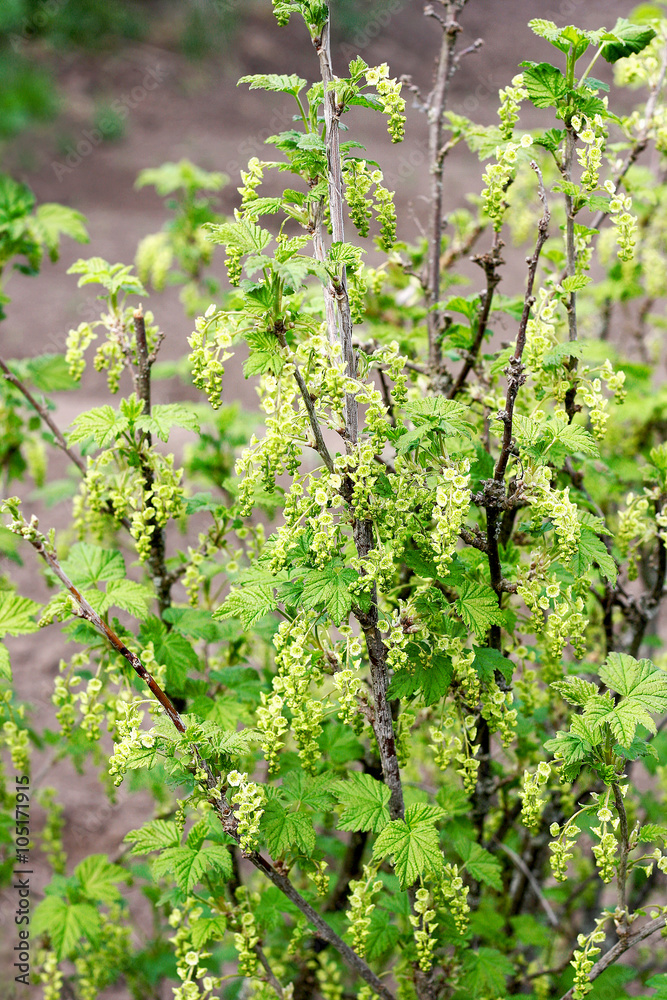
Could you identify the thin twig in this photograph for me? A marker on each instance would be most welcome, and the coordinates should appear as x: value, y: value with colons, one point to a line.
x: 489, y: 262
x: 45, y: 416
x: 534, y: 884
x: 271, y: 978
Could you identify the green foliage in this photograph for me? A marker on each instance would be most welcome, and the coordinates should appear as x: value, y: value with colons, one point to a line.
x: 381, y: 657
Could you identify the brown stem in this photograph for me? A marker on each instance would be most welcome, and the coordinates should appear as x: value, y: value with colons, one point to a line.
x: 646, y: 608
x: 270, y: 974
x: 436, y: 104
x: 489, y: 262
x: 622, y: 872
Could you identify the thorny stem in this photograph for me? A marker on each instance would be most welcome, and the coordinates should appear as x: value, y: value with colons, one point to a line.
x: 436, y: 105
x: 658, y: 923
x: 219, y: 804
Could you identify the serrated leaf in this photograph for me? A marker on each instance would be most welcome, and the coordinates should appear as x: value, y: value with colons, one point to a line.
x: 249, y: 603
x: 303, y: 790
x: 592, y: 549
x: 88, y: 564
x: 413, y: 843
x: 545, y: 84
x: 165, y: 416
x: 485, y: 971
x: 155, y: 835
x: 477, y: 604
x: 97, y: 877
x: 638, y: 679
x: 65, y: 923
x: 103, y: 424
x: 479, y: 863
x: 207, y: 929
x: 171, y: 649
x: 626, y: 39
x: 17, y: 614
x: 135, y: 598
x: 488, y: 660
x: 187, y: 866
x: 242, y: 236
x: 576, y: 281
x: 329, y: 587
x: 366, y: 802
x: 278, y: 83
x: 286, y: 831
x: 575, y: 690
x: 5, y: 665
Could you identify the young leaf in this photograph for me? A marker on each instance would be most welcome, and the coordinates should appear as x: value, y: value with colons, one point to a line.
x: 153, y: 836
x: 478, y: 606
x: 278, y: 83
x: 97, y: 877
x: 545, y: 84
x: 413, y: 843
x: 366, y: 802
x: 479, y: 863
x: 187, y: 866
x: 17, y: 614
x: 626, y: 39
x: 286, y: 831
x: 164, y: 417
x: 89, y: 564
x: 103, y: 424
x: 485, y: 971
x: 65, y: 923
x: 329, y: 588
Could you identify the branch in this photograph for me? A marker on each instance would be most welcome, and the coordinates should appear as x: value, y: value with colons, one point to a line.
x: 437, y: 102
x: 489, y: 262
x: 45, y: 416
x: 217, y: 800
x: 332, y: 112
x: 619, y: 949
x: 156, y: 561
x: 534, y: 884
x: 646, y: 607
x: 320, y: 444
x: 270, y: 974
x: 622, y: 872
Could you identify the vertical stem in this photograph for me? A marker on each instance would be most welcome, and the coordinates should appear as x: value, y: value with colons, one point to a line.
x: 156, y: 561
x: 622, y: 872
x: 570, y: 143
x: 436, y: 108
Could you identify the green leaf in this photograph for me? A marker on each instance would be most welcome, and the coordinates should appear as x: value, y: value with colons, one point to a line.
x: 54, y: 221
x: 412, y: 842
x: 485, y: 971
x: 479, y: 863
x: 249, y: 602
x: 165, y: 416
x: 366, y: 802
x: 576, y: 281
x: 242, y: 236
x: 114, y: 277
x: 478, y: 606
x: 187, y: 866
x: 329, y: 588
x: 545, y: 84
x: 97, y: 877
x: 382, y: 935
x: 626, y: 39
x: 638, y: 679
x: 592, y: 549
x: 575, y: 690
x: 278, y: 83
x: 153, y: 836
x: 5, y: 666
x: 207, y: 929
x: 135, y: 598
x: 266, y: 355
x: 103, y: 424
x: 65, y: 923
x: 488, y: 660
x: 303, y: 790
x: 16, y: 614
x: 285, y: 831
x: 172, y: 650
x: 49, y: 373
x: 88, y: 564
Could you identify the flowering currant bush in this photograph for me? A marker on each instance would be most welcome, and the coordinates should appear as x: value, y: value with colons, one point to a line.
x: 388, y: 655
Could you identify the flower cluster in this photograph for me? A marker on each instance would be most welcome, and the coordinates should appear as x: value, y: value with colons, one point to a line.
x: 634, y: 529
x: 209, y: 342
x: 78, y: 341
x: 510, y: 105
x: 393, y: 105
x: 625, y: 225
x: 252, y: 179
x: 50, y: 976
x: 130, y: 738
x: 361, y: 907
x: 246, y: 937
x: 425, y: 926
x: 190, y: 959
x: 593, y: 134
x: 16, y: 739
x: 349, y: 685
x: 250, y: 798
x: 556, y: 505
x: 605, y: 850
x: 583, y: 958
x: 497, y: 177
x: 449, y: 889
x: 496, y: 710
x: 452, y: 501
x: 532, y: 803
x: 560, y: 848
x: 51, y: 839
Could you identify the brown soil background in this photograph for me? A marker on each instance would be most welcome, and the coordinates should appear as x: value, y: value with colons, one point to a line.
x: 196, y: 112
